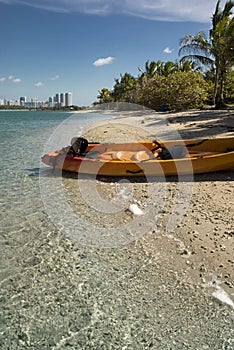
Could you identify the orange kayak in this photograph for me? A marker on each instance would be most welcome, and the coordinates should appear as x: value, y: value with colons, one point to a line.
x: 139, y: 158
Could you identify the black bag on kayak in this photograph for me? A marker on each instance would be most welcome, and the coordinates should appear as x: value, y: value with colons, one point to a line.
x: 78, y: 146
x: 175, y: 152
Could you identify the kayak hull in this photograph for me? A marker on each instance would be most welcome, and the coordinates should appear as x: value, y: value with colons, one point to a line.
x: 137, y: 159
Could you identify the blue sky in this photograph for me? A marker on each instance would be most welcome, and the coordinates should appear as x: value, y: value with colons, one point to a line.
x: 50, y: 46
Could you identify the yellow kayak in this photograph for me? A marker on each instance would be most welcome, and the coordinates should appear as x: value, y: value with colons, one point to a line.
x: 146, y: 158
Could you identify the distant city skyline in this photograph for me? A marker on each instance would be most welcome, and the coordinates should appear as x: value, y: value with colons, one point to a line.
x: 60, y: 99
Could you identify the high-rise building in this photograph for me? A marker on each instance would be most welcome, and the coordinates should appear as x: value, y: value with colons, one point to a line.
x: 57, y: 99
x: 23, y: 100
x: 50, y: 102
x: 62, y: 99
x: 68, y: 99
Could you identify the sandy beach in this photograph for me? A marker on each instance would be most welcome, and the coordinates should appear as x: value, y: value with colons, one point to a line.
x: 147, y: 124
x: 202, y: 244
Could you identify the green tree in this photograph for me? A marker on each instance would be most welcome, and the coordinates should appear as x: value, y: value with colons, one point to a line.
x: 151, y: 69
x: 216, y: 51
x: 187, y: 66
x: 229, y: 90
x: 176, y: 85
x: 168, y: 67
x: 178, y: 91
x: 158, y: 68
x: 105, y: 96
x: 123, y: 87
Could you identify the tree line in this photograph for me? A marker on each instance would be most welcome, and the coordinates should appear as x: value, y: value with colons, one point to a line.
x: 203, y: 75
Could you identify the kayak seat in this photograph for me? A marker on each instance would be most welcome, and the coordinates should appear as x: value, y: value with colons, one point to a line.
x: 127, y: 156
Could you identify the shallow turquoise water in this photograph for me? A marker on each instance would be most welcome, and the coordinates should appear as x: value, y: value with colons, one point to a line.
x: 24, y: 135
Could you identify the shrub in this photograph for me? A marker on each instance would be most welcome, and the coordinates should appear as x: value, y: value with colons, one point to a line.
x: 178, y: 91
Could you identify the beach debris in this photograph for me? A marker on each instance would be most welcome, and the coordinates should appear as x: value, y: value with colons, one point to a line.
x: 122, y: 194
x: 223, y: 296
x: 135, y: 209
x: 219, y: 293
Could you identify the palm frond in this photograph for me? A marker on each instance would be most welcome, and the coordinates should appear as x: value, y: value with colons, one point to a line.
x: 198, y: 59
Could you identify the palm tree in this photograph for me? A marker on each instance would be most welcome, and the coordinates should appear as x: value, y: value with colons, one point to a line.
x: 187, y: 66
x: 152, y: 68
x: 123, y: 86
x: 105, y: 96
x: 216, y: 51
x: 168, y: 68
x: 222, y: 39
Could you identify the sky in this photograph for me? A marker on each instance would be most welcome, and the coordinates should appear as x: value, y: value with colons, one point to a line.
x: 81, y: 46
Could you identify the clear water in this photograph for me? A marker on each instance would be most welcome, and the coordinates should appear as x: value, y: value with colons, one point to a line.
x: 56, y: 294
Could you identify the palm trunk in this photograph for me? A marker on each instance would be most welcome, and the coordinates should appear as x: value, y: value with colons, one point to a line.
x: 215, y: 89
x: 219, y: 100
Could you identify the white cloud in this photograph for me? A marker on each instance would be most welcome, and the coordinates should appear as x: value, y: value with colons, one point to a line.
x: 39, y: 84
x: 16, y: 80
x: 168, y: 50
x: 102, y: 61
x: 162, y: 10
x: 11, y: 77
x: 55, y: 77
